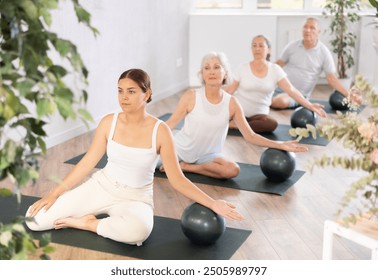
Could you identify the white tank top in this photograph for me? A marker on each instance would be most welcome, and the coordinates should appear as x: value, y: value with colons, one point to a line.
x: 129, y: 166
x: 205, y: 128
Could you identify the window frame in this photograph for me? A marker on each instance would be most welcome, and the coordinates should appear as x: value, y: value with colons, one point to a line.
x: 249, y: 7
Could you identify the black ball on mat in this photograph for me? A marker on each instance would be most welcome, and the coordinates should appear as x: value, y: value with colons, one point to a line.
x: 336, y: 101
x: 277, y: 165
x: 201, y: 225
x: 301, y: 117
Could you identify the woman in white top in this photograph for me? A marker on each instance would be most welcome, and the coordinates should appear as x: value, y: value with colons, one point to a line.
x: 133, y: 140
x: 207, y: 112
x: 255, y: 83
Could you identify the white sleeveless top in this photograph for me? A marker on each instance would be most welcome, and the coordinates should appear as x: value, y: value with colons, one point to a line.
x: 205, y: 128
x: 129, y: 166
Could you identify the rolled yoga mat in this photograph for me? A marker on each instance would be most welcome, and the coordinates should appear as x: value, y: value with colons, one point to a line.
x: 166, y: 242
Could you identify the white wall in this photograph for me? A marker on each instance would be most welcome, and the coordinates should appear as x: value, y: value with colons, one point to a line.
x: 152, y: 35
x: 233, y: 33
x: 161, y: 37
x: 230, y: 34
x: 368, y: 58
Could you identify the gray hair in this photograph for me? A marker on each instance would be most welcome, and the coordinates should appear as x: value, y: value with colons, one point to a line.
x: 223, y: 61
x: 318, y: 23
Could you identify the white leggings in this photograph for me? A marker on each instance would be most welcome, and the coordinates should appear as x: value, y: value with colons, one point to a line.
x: 130, y: 210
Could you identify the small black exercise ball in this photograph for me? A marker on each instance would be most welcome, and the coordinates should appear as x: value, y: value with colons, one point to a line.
x: 277, y: 165
x: 202, y: 225
x: 302, y: 116
x: 336, y: 101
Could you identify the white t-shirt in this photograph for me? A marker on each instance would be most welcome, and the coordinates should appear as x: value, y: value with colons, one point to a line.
x: 254, y: 93
x: 303, y: 66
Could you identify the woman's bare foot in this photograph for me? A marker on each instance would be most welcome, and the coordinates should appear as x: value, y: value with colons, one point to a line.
x: 88, y: 222
x: 232, y: 125
x: 161, y: 168
x: 183, y: 165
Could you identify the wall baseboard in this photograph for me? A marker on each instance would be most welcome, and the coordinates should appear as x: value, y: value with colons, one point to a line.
x: 68, y: 134
x: 170, y: 91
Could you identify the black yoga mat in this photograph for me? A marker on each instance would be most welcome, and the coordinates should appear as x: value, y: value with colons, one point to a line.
x: 250, y: 178
x: 280, y: 134
x: 166, y: 242
x: 329, y: 110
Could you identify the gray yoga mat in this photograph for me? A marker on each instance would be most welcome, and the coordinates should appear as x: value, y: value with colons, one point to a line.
x: 166, y: 242
x: 281, y: 133
x: 250, y: 178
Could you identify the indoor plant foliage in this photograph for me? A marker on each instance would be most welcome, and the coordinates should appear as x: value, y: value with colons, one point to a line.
x: 342, y: 14
x: 374, y: 3
x: 30, y: 79
x: 359, y: 135
x: 33, y: 88
x: 17, y: 244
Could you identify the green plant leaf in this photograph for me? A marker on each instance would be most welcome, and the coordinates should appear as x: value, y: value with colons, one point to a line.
x: 62, y: 46
x: 374, y: 3
x: 45, y: 240
x: 82, y: 14
x: 85, y: 115
x: 5, y: 192
x: 58, y: 71
x: 65, y: 108
x: 29, y: 8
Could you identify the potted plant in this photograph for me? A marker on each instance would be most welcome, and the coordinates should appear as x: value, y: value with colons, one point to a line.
x: 32, y: 88
x: 342, y: 13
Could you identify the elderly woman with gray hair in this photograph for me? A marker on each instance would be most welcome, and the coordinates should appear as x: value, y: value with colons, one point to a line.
x: 207, y: 112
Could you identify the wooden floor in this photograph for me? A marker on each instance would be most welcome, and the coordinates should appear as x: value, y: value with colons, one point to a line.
x: 288, y: 227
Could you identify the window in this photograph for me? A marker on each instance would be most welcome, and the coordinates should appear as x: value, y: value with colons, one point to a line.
x: 267, y: 5
x: 277, y: 4
x: 215, y: 4
x: 259, y: 4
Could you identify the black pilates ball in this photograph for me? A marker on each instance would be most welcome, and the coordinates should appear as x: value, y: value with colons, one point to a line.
x: 336, y: 101
x: 301, y: 117
x: 277, y: 165
x: 201, y: 225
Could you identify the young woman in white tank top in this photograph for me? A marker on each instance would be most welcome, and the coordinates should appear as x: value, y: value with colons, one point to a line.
x: 133, y: 141
x: 207, y: 112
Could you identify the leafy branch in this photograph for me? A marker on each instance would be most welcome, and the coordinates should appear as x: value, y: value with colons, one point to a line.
x: 32, y: 86
x: 360, y: 136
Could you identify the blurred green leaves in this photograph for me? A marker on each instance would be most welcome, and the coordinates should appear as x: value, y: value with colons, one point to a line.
x: 32, y: 86
x: 32, y: 89
x: 358, y: 134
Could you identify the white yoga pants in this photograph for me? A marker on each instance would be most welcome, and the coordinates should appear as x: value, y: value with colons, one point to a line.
x: 130, y: 210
